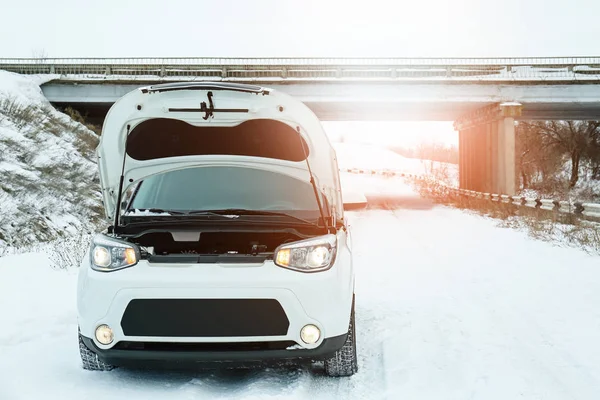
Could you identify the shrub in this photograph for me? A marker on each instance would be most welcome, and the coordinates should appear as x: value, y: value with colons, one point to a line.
x: 19, y: 114
x: 549, y: 225
x: 77, y: 117
x: 67, y: 252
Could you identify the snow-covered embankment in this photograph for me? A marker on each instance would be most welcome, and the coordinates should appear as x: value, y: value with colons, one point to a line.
x: 48, y: 176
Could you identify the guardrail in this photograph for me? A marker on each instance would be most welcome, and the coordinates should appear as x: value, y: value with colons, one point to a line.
x: 462, y: 69
x: 583, y: 209
x: 384, y: 172
x: 591, y: 210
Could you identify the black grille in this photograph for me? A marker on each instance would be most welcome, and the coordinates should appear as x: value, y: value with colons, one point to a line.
x: 204, y: 318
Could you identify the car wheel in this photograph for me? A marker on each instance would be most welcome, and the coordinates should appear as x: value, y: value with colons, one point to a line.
x: 344, y: 362
x: 90, y: 360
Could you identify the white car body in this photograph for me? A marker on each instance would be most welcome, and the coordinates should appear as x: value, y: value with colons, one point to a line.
x: 323, y: 299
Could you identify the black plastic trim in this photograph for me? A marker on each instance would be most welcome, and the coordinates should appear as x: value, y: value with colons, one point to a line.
x: 154, y: 358
x: 223, y: 110
x: 195, y: 346
x: 210, y: 258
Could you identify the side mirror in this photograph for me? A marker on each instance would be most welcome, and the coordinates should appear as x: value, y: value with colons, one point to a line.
x: 354, y: 200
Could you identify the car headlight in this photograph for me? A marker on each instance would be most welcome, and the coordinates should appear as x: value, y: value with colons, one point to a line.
x: 110, y: 254
x: 311, y: 255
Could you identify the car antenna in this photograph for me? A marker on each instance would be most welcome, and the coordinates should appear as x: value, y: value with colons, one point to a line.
x: 312, y: 181
x: 120, y: 192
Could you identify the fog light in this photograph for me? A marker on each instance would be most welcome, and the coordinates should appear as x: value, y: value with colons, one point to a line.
x: 104, y: 334
x: 310, y: 334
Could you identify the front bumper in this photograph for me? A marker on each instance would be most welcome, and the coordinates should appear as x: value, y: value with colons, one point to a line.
x: 323, y: 299
x: 220, y: 357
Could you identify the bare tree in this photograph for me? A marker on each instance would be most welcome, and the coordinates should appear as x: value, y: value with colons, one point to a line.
x: 593, y: 155
x: 40, y: 54
x: 573, y: 138
x: 435, y: 151
x: 537, y: 162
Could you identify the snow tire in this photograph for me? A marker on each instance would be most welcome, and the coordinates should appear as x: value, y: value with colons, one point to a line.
x: 90, y: 360
x: 344, y: 362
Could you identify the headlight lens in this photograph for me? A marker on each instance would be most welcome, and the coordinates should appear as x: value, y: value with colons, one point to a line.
x: 312, y: 255
x: 110, y: 254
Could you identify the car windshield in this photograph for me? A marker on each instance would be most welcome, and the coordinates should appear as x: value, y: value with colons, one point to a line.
x: 218, y: 188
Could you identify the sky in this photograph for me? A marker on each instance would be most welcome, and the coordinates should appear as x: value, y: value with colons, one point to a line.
x: 416, y: 28
x: 308, y: 28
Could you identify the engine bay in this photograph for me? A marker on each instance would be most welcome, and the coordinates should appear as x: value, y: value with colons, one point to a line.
x: 165, y: 243
x: 206, y: 246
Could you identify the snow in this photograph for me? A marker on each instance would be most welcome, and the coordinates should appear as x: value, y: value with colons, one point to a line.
x: 16, y: 169
x: 586, y: 190
x: 48, y: 176
x: 373, y: 157
x: 138, y: 213
x: 449, y: 306
x: 25, y: 88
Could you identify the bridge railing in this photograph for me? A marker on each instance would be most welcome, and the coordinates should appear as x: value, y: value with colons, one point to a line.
x: 532, y: 68
x: 318, y: 61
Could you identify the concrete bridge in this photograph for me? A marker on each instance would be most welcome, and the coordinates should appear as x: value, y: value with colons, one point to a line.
x: 483, y: 96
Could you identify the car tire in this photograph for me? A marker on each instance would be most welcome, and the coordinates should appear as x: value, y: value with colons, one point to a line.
x: 344, y: 362
x: 90, y: 360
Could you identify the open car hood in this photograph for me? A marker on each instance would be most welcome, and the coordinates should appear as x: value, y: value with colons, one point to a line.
x: 165, y: 127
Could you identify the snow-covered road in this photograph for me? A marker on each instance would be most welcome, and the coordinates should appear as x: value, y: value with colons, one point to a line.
x: 449, y: 306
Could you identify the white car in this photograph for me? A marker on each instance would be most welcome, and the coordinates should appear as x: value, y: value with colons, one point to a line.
x: 228, y: 242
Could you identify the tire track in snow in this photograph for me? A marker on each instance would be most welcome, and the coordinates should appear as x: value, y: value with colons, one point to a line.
x: 379, y: 319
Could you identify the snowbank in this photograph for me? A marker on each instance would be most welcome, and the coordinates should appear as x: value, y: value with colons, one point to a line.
x: 374, y: 157
x: 25, y: 88
x: 48, y: 178
x: 367, y: 156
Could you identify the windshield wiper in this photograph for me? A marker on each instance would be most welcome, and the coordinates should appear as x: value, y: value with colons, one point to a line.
x: 227, y: 213
x: 230, y: 212
x: 152, y: 212
x: 210, y: 214
x: 159, y: 212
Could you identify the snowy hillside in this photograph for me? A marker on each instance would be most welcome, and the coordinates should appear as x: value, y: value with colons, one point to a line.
x: 48, y: 176
x: 374, y: 157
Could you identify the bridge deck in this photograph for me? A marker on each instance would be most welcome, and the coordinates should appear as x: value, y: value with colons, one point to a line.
x: 346, y: 88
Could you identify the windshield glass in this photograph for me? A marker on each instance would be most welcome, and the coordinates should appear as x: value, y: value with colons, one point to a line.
x: 217, y: 188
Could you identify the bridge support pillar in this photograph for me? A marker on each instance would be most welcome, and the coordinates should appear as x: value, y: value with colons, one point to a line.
x: 487, y: 149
